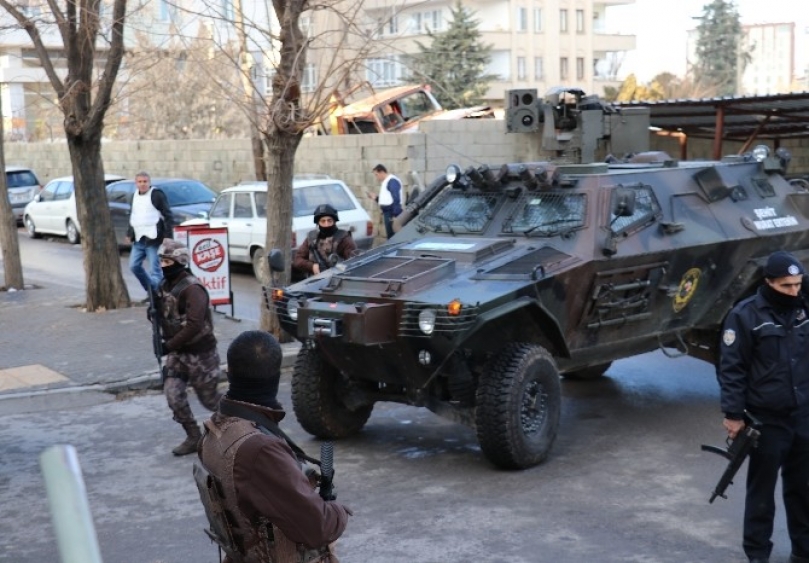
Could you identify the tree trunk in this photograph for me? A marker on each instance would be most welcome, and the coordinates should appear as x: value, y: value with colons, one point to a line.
x: 9, y: 244
x: 104, y: 282
x: 282, y: 146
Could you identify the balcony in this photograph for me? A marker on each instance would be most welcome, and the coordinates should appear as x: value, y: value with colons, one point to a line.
x: 613, y: 42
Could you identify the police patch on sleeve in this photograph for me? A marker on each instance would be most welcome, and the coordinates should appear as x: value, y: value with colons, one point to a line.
x: 729, y: 337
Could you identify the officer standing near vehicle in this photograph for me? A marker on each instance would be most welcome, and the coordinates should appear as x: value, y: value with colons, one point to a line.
x: 764, y: 369
x: 188, y: 340
x: 325, y: 245
x: 273, y: 512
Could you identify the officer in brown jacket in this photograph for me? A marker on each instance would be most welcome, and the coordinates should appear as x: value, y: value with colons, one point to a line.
x: 262, y: 506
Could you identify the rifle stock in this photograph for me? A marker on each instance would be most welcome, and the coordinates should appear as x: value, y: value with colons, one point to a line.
x: 327, y: 471
x: 736, y: 452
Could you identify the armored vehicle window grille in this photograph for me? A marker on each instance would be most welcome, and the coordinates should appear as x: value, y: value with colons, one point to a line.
x: 547, y: 214
x: 461, y: 212
x: 646, y: 210
x: 394, y: 268
x: 445, y: 323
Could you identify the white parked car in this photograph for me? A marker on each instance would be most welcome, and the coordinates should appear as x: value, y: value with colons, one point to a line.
x: 53, y: 210
x: 242, y: 209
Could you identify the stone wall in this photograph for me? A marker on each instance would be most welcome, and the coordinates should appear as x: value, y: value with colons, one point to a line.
x: 224, y: 163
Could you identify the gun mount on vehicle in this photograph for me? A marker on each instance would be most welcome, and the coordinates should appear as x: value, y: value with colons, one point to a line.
x: 503, y: 278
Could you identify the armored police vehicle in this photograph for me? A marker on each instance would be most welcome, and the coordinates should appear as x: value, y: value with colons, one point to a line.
x: 501, y: 278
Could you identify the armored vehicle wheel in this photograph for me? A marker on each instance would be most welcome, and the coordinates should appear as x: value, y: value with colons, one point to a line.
x: 588, y: 373
x: 316, y: 390
x: 518, y: 405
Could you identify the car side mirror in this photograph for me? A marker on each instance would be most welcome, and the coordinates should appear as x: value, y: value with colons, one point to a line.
x: 38, y: 197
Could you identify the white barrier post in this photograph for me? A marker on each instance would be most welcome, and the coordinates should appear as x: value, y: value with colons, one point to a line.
x: 70, y: 511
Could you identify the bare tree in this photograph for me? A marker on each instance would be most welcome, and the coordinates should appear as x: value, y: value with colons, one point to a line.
x: 308, y: 72
x: 9, y: 244
x: 84, y: 103
x: 174, y: 91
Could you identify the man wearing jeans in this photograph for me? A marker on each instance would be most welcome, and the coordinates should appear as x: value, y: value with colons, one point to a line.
x: 150, y: 221
x: 389, y: 198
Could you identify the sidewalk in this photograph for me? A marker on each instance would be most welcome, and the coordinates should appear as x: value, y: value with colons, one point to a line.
x: 48, y: 344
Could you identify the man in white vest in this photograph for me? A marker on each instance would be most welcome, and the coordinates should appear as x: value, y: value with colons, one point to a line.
x: 389, y: 198
x: 150, y: 221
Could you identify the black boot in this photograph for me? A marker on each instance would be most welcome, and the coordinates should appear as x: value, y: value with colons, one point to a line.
x: 189, y: 446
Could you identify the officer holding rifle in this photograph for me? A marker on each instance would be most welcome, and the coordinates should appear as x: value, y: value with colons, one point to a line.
x: 764, y: 370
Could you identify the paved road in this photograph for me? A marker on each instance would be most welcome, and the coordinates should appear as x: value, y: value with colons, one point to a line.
x: 626, y: 481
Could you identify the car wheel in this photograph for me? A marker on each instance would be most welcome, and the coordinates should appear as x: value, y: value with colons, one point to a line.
x: 317, y: 388
x: 518, y: 406
x: 30, y: 227
x: 261, y: 268
x: 73, y: 236
x: 589, y: 373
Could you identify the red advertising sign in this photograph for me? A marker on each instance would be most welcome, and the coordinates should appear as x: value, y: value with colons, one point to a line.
x: 209, y: 258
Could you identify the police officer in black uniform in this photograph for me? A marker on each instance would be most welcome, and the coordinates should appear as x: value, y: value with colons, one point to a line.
x: 764, y: 369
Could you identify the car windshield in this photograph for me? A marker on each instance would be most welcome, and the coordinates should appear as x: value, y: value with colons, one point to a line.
x: 305, y: 200
x: 186, y: 192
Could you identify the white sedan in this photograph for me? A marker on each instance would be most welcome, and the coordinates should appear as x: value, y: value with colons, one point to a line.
x: 53, y: 210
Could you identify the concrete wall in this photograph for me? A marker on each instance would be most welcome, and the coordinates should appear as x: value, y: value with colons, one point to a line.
x: 224, y: 163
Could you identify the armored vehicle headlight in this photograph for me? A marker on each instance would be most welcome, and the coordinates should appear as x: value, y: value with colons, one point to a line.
x: 277, y: 294
x: 427, y: 321
x: 292, y: 309
x: 453, y: 172
x: 760, y: 152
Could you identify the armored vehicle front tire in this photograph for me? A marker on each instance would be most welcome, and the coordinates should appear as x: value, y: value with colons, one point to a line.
x: 588, y: 373
x: 518, y: 406
x: 317, y: 388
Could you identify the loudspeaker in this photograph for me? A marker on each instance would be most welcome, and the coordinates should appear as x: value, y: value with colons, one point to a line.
x: 522, y: 111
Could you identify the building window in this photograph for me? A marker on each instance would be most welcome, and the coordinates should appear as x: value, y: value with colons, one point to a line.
x: 420, y: 22
x: 579, y: 21
x: 537, y: 20
x: 383, y: 72
x: 227, y: 9
x: 522, y: 19
x: 563, y: 68
x: 538, y: 73
x: 521, y: 74
x: 563, y: 21
x: 309, y: 79
x: 580, y: 68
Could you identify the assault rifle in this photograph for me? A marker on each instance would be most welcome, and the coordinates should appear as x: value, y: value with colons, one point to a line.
x: 157, y: 336
x: 736, y: 452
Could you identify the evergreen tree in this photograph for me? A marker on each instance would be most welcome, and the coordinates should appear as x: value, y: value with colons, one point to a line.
x: 454, y: 62
x: 721, y: 56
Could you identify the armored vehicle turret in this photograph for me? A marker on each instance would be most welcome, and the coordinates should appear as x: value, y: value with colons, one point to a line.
x: 505, y: 277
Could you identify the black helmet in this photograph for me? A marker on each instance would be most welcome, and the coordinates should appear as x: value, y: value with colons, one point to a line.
x: 326, y: 210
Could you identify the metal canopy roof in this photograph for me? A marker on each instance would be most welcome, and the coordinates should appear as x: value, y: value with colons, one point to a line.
x: 736, y: 118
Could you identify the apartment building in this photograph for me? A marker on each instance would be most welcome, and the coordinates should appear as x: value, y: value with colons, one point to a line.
x: 535, y: 43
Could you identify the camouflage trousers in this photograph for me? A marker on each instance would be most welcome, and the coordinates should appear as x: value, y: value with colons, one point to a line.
x: 200, y: 371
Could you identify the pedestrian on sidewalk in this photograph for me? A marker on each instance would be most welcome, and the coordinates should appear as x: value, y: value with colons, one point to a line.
x: 389, y: 198
x: 150, y: 221
x: 188, y: 340
x: 265, y: 492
